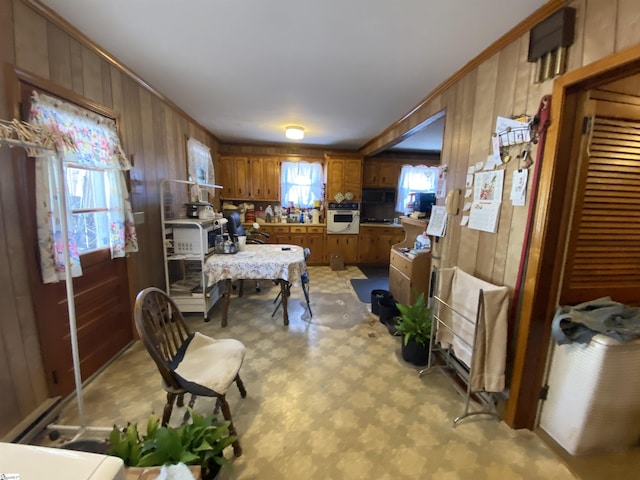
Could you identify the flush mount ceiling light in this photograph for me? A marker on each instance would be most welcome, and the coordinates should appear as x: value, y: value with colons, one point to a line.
x: 294, y: 133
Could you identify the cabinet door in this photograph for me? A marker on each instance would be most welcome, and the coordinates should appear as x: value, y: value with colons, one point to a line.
x: 256, y: 176
x: 399, y: 286
x: 384, y: 240
x: 350, y: 248
x: 271, y: 175
x: 353, y: 177
x: 315, y: 242
x: 370, y: 173
x: 241, y: 177
x: 227, y: 177
x: 335, y: 175
x: 367, y: 250
x: 388, y: 174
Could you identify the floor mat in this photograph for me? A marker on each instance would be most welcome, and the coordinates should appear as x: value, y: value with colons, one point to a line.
x: 363, y: 286
x: 374, y: 271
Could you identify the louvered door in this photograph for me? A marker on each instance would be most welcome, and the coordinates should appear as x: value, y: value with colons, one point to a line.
x: 603, y: 257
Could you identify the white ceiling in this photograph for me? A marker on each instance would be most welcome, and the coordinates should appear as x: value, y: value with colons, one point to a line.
x: 343, y: 69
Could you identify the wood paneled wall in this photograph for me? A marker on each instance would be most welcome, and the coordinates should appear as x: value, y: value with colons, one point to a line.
x: 153, y: 132
x: 502, y: 84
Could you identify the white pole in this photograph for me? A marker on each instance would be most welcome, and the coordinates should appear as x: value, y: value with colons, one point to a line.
x: 71, y: 306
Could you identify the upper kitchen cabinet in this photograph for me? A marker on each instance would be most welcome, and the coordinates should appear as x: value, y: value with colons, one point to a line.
x: 265, y: 178
x: 380, y: 173
x: 344, y: 174
x: 252, y: 178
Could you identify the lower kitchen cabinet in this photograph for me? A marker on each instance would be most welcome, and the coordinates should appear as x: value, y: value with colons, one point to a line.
x: 375, y: 244
x: 345, y: 245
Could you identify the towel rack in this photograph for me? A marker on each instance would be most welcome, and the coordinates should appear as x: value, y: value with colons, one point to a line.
x: 452, y: 365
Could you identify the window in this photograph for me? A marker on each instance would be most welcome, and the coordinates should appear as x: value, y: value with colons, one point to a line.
x: 413, y: 180
x: 87, y: 191
x: 301, y: 183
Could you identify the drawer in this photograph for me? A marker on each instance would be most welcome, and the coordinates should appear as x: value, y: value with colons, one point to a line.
x: 282, y: 229
x: 315, y: 229
x: 298, y: 229
x: 400, y: 262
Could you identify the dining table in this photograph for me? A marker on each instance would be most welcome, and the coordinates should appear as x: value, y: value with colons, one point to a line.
x: 282, y: 263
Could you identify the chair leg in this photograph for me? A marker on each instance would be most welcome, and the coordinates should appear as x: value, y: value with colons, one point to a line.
x: 243, y: 392
x: 305, y: 289
x: 226, y: 413
x: 168, y: 408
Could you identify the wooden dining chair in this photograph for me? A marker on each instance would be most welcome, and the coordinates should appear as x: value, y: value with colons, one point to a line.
x: 188, y: 362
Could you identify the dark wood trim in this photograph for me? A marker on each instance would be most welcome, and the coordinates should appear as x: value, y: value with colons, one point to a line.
x: 542, y: 274
x: 18, y: 75
x: 511, y: 36
x: 57, y: 20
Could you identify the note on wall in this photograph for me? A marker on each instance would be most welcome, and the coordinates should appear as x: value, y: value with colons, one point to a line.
x: 487, y: 199
x: 438, y: 221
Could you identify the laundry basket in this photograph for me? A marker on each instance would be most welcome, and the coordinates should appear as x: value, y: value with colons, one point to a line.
x: 593, y: 403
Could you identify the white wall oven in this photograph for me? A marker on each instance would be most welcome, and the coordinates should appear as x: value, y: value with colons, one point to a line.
x: 343, y: 218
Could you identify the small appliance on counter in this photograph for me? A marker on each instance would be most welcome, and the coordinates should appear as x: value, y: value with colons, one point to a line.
x: 193, y: 208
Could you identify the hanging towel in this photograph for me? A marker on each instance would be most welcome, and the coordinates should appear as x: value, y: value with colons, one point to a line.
x: 487, y: 358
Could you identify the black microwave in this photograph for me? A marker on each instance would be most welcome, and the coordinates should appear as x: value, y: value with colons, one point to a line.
x: 378, y: 195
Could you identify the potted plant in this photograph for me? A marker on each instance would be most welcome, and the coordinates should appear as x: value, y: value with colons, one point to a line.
x: 414, y: 324
x: 200, y: 441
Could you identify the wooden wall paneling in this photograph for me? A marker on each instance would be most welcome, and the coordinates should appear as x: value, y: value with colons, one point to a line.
x: 519, y: 214
x: 77, y: 76
x: 59, y: 56
x: 456, y: 177
x: 599, y: 30
x: 92, y: 76
x: 107, y: 97
x: 574, y: 55
x: 480, y: 143
x: 628, y: 24
x: 171, y: 143
x: 31, y: 51
x: 152, y: 177
x: 506, y: 86
x: 484, y: 116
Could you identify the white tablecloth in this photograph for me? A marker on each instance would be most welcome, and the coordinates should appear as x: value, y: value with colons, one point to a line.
x: 267, y: 261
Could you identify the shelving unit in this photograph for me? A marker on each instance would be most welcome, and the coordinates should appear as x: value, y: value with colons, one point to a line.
x: 186, y: 248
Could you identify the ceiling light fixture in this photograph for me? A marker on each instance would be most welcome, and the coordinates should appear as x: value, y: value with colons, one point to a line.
x: 294, y: 133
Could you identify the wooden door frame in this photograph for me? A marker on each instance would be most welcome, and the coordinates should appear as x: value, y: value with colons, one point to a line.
x: 542, y: 274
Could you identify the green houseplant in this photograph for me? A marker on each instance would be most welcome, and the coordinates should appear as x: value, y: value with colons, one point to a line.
x: 414, y: 324
x: 200, y: 441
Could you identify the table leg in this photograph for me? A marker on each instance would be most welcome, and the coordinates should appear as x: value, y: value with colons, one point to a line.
x: 225, y: 306
x: 285, y: 290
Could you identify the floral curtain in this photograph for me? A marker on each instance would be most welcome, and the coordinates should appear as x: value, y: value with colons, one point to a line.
x: 415, y: 179
x: 95, y: 145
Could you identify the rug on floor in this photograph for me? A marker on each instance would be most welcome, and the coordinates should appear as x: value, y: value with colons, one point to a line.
x: 363, y: 286
x: 339, y: 311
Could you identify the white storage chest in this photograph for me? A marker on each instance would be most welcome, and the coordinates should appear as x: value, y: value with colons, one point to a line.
x: 593, y: 403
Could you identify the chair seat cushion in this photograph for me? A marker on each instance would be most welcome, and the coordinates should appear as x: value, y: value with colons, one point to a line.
x: 206, y: 366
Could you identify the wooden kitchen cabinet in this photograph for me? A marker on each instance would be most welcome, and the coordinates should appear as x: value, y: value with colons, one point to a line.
x: 250, y: 178
x: 375, y: 244
x: 345, y: 245
x: 380, y: 173
x: 303, y: 235
x: 408, y: 277
x: 344, y: 174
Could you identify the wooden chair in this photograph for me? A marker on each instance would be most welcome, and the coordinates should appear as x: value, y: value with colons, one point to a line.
x: 188, y: 362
